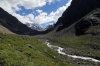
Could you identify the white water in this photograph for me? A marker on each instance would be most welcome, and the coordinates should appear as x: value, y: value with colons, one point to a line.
x: 60, y: 51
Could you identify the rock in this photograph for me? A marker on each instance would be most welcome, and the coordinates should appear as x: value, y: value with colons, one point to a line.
x: 30, y: 46
x: 86, y: 22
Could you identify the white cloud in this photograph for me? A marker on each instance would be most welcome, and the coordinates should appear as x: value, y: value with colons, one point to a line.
x: 55, y: 15
x: 39, y: 11
x: 28, y: 4
x: 43, y: 17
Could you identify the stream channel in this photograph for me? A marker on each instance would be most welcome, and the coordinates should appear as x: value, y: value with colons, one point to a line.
x: 60, y: 51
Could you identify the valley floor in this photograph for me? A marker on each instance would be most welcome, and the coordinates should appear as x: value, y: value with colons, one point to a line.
x: 21, y: 50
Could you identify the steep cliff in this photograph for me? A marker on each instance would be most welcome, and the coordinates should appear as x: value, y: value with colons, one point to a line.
x: 77, y: 10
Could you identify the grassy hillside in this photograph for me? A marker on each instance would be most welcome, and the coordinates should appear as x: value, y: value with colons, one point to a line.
x: 18, y: 50
x: 84, y: 45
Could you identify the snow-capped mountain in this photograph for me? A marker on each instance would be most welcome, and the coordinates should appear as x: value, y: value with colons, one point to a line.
x: 35, y: 26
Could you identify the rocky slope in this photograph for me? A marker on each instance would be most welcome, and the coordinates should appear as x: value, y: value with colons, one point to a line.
x: 77, y: 10
x: 5, y: 30
x: 89, y: 24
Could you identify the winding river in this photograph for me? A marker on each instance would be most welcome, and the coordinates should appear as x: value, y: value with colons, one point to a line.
x: 60, y: 51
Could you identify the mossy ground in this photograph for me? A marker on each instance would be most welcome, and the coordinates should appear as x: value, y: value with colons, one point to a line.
x: 18, y: 50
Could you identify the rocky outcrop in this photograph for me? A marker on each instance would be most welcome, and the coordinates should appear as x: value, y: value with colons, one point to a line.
x: 90, y: 20
x: 77, y: 10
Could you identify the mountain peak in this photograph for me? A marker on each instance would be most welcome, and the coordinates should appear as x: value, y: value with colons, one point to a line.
x: 35, y: 26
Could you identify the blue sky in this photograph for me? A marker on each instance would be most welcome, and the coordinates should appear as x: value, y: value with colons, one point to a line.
x: 42, y: 12
x: 46, y: 8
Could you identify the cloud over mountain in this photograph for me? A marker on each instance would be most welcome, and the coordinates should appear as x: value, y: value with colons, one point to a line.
x: 11, y: 6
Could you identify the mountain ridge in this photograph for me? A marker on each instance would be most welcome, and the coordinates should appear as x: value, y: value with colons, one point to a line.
x: 76, y: 11
x: 12, y: 23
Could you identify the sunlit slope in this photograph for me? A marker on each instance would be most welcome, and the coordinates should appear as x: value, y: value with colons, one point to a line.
x: 18, y: 50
